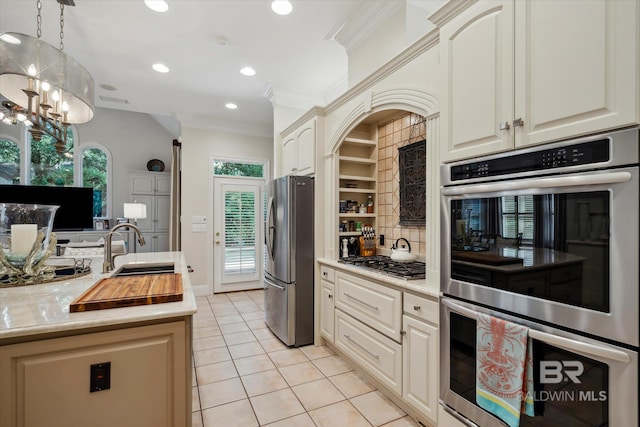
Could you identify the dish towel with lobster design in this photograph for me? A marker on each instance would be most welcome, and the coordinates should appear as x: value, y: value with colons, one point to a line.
x: 504, y: 369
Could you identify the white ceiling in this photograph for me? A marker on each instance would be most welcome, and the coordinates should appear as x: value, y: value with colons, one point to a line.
x: 205, y: 44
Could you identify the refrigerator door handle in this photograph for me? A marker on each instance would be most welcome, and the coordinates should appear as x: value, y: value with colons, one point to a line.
x: 270, y: 228
x: 272, y: 284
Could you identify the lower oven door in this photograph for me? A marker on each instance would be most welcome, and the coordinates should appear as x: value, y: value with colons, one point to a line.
x: 579, y: 381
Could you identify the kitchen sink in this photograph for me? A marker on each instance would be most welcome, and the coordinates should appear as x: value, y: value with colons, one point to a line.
x: 139, y: 268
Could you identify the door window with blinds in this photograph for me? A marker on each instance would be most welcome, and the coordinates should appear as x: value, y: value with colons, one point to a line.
x: 238, y: 215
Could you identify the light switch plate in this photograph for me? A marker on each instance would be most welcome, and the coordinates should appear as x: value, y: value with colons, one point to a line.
x: 199, y: 228
x: 198, y: 219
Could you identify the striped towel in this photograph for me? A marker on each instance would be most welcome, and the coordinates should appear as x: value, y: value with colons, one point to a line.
x: 504, y: 369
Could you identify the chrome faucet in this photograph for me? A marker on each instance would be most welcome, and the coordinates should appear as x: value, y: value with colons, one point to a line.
x: 109, y: 260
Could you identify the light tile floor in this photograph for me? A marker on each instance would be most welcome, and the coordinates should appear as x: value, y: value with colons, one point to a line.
x: 244, y: 376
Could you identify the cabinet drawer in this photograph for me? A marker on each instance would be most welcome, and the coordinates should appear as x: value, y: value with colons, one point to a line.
x: 327, y: 273
x: 421, y: 307
x: 375, y: 305
x: 376, y: 353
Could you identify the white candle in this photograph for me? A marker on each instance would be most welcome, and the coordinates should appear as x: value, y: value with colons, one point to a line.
x: 23, y: 236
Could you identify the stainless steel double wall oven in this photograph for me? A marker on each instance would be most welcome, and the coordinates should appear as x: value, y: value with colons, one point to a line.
x: 547, y: 237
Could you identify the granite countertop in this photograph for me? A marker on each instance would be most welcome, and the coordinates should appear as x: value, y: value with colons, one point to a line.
x: 44, y: 308
x: 423, y: 287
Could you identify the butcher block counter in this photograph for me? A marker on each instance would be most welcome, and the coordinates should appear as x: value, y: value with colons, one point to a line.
x: 115, y: 366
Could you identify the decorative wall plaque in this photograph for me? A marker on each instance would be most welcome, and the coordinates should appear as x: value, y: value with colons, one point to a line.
x: 412, y: 160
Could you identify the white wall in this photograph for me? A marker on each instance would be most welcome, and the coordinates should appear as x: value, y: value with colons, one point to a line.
x: 197, y: 146
x: 133, y: 139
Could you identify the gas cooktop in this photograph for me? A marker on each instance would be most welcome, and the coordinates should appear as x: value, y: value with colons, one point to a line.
x: 384, y: 264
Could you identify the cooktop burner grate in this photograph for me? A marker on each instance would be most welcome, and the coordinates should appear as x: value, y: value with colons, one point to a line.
x: 384, y: 264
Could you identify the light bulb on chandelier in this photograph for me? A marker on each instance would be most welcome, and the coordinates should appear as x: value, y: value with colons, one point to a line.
x: 53, y: 93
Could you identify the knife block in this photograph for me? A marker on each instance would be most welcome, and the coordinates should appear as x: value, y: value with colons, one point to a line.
x: 367, y: 251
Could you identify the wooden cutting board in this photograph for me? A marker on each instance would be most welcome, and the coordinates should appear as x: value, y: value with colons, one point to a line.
x: 113, y: 292
x: 485, y: 258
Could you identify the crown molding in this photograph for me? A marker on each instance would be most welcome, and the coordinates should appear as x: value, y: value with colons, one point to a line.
x: 448, y: 11
x: 364, y: 22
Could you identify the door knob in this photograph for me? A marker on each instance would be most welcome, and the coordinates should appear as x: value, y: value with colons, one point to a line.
x: 217, y: 242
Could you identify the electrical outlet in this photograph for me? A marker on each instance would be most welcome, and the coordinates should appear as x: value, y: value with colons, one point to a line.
x: 100, y: 377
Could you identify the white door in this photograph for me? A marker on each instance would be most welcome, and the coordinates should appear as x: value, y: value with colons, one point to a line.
x: 237, y: 234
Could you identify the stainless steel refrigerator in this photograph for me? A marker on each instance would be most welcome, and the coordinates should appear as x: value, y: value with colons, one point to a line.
x: 288, y: 278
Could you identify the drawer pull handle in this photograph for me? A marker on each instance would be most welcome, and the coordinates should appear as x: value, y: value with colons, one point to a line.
x: 373, y: 307
x: 362, y: 348
x: 417, y: 307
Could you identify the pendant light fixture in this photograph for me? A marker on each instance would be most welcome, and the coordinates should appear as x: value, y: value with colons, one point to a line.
x: 44, y: 84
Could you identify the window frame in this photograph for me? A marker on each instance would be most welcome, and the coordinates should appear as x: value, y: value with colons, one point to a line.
x: 22, y: 139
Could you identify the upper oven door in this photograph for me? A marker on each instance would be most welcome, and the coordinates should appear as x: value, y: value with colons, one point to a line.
x: 562, y: 249
x: 598, y: 385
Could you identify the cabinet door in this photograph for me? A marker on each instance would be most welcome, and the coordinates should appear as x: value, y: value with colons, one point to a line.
x: 576, y: 68
x: 326, y: 310
x: 142, y: 184
x: 477, y: 59
x: 420, y: 361
x: 163, y: 184
x: 162, y: 214
x: 150, y: 379
x: 306, y: 149
x: 161, y: 242
x: 289, y: 155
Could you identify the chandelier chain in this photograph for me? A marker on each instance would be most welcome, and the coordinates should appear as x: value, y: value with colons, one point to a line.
x: 39, y: 19
x: 61, y: 27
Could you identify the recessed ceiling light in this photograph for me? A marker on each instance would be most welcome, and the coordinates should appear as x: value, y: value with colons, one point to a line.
x: 281, y: 7
x: 157, y: 5
x: 231, y: 106
x: 10, y: 39
x: 248, y: 71
x: 161, y: 68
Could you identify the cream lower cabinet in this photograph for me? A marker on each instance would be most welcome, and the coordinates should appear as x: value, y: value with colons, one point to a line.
x: 519, y: 73
x: 378, y: 354
x: 420, y: 355
x: 327, y: 302
x: 48, y: 382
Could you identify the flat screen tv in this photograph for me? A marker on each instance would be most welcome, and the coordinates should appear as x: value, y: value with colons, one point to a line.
x: 76, y: 203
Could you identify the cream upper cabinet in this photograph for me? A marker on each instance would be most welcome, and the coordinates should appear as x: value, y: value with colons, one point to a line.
x: 477, y: 61
x: 289, y: 160
x: 529, y: 72
x: 299, y: 150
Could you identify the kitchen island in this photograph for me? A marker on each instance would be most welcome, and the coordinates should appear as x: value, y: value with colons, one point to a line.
x: 121, y: 366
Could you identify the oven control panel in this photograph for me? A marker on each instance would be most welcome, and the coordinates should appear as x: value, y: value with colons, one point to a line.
x: 571, y: 155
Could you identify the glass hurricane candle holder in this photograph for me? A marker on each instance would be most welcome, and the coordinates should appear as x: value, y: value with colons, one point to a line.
x: 27, y: 241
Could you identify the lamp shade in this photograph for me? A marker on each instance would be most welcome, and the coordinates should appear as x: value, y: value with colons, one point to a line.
x: 18, y: 52
x: 135, y: 210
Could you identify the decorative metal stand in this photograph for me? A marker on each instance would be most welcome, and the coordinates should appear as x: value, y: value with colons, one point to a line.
x: 33, y: 270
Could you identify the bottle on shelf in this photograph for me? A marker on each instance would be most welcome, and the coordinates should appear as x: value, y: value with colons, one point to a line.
x: 370, y: 204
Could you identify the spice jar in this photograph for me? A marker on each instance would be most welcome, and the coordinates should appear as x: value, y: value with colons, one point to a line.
x: 370, y: 204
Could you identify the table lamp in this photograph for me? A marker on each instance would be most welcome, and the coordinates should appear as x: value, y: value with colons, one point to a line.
x: 135, y: 211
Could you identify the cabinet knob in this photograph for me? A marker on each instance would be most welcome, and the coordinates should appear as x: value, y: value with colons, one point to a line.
x: 518, y: 122
x: 330, y: 296
x: 217, y: 242
x: 324, y: 273
x: 504, y: 126
x: 417, y: 307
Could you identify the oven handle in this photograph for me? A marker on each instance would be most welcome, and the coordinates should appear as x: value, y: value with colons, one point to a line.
x: 457, y: 416
x: 523, y: 184
x: 564, y: 343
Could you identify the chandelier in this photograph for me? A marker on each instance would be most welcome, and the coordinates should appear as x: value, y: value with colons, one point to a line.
x: 45, y: 89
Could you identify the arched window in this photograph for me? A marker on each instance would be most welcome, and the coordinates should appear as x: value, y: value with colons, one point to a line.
x: 95, y: 174
x: 9, y: 162
x: 47, y: 166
